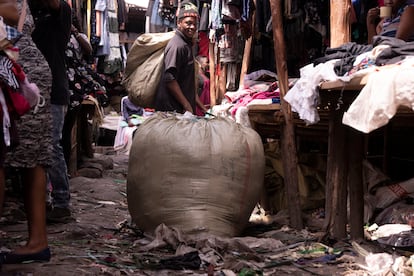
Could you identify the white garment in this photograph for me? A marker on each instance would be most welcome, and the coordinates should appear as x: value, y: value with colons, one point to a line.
x: 387, y: 88
x: 123, y: 137
x: 304, y: 96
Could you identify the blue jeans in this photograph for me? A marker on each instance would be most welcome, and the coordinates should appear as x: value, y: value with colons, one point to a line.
x: 58, y: 173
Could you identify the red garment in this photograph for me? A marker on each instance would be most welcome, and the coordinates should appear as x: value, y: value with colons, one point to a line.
x: 203, y: 44
x: 204, y: 97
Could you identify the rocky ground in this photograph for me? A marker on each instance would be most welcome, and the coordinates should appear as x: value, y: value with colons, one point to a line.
x: 102, y: 240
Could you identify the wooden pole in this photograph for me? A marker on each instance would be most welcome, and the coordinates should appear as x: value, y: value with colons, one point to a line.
x: 336, y: 188
x: 222, y: 82
x: 336, y: 216
x: 355, y: 183
x: 246, y: 60
x: 340, y: 22
x: 212, y: 64
x: 247, y: 51
x: 289, y: 154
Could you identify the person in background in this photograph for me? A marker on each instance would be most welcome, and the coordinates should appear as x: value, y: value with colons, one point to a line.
x: 80, y: 79
x: 34, y: 150
x: 177, y: 88
x: 53, y: 23
x: 399, y: 25
x: 203, y: 83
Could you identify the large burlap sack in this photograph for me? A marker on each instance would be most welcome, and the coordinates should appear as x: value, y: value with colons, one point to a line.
x: 199, y: 175
x: 144, y: 66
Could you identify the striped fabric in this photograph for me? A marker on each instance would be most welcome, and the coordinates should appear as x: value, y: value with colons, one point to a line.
x: 390, y: 25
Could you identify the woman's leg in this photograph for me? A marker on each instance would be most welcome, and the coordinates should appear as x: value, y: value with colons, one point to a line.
x: 35, y: 205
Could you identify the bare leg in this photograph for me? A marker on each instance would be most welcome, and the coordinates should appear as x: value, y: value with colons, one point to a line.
x: 35, y: 205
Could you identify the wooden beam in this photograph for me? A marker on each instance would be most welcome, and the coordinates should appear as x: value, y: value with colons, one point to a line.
x: 336, y: 171
x: 212, y: 64
x: 340, y: 22
x: 289, y: 153
x: 246, y: 60
x: 222, y: 82
x: 247, y: 51
x: 355, y: 183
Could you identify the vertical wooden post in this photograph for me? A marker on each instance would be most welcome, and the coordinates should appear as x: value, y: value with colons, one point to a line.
x: 212, y: 64
x: 355, y: 183
x: 247, y: 51
x: 340, y: 22
x: 289, y: 154
x: 246, y: 60
x: 336, y: 188
x: 222, y: 82
x: 336, y: 182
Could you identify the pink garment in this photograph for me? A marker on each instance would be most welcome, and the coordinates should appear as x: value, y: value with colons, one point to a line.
x: 248, y: 98
x: 204, y: 97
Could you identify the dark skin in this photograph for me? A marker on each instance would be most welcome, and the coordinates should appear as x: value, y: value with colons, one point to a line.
x: 34, y: 179
x: 188, y: 26
x: 9, y: 12
x: 405, y: 27
x: 84, y: 44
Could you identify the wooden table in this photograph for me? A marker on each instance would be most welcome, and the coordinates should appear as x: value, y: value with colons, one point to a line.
x: 345, y: 152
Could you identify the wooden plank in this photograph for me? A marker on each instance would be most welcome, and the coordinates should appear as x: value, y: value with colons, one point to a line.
x: 356, y: 83
x: 263, y: 107
x: 289, y: 153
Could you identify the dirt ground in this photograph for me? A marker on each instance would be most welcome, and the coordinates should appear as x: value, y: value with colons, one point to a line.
x: 103, y: 241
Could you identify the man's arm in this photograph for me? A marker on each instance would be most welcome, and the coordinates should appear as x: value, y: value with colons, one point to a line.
x: 9, y: 12
x: 174, y: 88
x: 200, y: 103
x: 406, y: 27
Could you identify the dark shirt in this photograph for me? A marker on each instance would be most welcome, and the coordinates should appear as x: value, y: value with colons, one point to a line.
x: 51, y: 35
x: 179, y: 66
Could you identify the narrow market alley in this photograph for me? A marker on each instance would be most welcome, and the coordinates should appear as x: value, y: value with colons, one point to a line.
x: 103, y: 241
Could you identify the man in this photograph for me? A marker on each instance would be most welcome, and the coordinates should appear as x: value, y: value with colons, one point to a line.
x: 177, y: 89
x: 53, y: 22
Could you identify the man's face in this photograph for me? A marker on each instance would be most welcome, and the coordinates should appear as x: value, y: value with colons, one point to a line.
x: 188, y: 26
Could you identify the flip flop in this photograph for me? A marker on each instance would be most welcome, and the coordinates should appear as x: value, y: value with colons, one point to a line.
x: 14, y: 258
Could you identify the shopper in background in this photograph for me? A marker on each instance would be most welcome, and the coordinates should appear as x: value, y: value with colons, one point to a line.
x: 33, y: 154
x: 398, y: 22
x: 53, y: 23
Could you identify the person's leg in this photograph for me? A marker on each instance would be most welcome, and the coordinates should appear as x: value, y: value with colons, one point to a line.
x: 70, y: 119
x: 34, y: 181
x: 58, y: 171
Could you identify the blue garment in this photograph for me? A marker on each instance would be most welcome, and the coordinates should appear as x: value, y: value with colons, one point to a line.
x: 157, y: 20
x: 58, y: 170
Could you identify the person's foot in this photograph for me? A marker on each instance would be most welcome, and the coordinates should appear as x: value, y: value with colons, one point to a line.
x: 19, y: 258
x: 59, y: 215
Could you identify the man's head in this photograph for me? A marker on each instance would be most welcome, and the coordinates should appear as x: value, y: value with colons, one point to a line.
x: 187, y: 19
